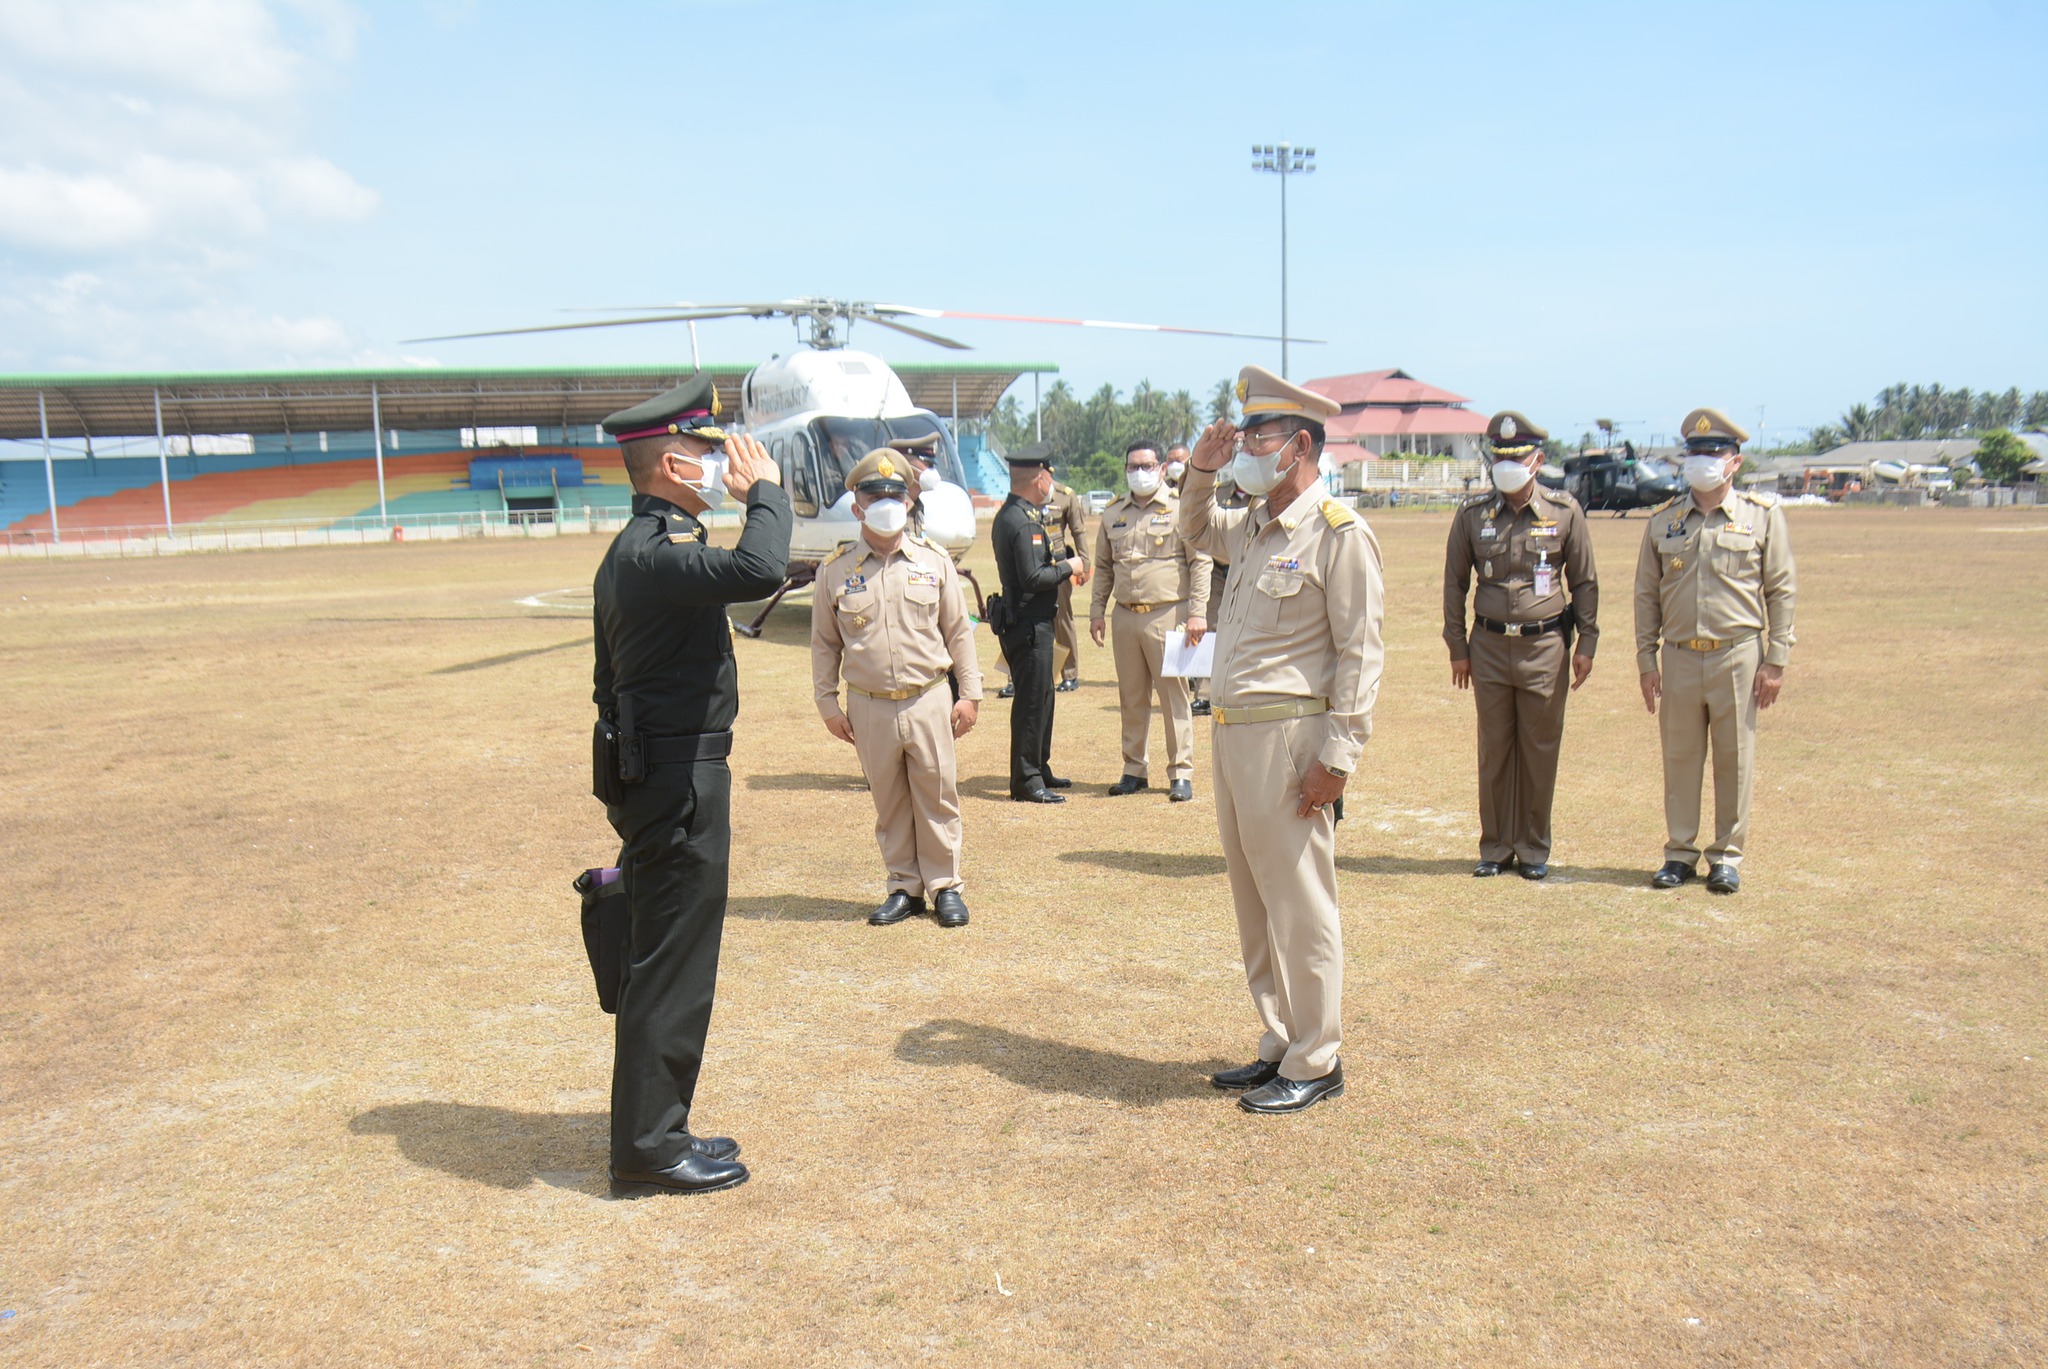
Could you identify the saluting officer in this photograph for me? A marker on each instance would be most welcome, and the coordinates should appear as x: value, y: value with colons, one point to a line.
x: 1298, y: 658
x: 1031, y: 578
x: 1714, y: 590
x: 665, y: 674
x: 1528, y: 546
x: 1066, y: 528
x: 890, y: 613
x: 1146, y: 565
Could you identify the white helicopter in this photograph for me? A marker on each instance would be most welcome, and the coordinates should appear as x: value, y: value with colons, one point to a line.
x: 821, y: 409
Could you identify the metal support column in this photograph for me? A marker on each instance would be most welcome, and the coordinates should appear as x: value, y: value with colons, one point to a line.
x: 1037, y: 414
x: 377, y: 435
x: 163, y: 457
x: 49, y: 471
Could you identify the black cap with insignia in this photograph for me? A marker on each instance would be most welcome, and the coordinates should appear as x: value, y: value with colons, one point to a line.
x: 1037, y: 454
x: 691, y: 408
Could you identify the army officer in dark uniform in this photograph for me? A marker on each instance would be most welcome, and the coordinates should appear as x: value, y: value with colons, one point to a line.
x: 1528, y: 546
x: 666, y: 676
x: 1031, y: 584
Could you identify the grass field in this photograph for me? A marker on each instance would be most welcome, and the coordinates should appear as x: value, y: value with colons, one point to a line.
x: 300, y: 1062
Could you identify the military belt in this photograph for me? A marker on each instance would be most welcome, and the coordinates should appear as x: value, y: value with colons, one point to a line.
x: 1525, y: 629
x: 895, y: 696
x: 1711, y: 643
x: 1146, y: 608
x: 1271, y: 713
x: 687, y: 750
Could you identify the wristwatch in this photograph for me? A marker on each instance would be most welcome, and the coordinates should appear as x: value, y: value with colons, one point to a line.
x: 1340, y: 774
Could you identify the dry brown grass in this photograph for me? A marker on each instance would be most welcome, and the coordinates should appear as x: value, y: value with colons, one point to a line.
x: 301, y: 1063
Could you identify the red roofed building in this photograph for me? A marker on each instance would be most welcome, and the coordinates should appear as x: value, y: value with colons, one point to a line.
x: 1391, y: 413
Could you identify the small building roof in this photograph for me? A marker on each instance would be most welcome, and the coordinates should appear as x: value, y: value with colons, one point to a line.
x: 1392, y: 386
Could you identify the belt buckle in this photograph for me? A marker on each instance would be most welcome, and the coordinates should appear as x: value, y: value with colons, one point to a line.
x: 1512, y: 629
x: 1704, y: 644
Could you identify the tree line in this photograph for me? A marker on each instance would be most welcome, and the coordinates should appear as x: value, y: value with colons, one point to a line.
x: 1088, y: 436
x: 1933, y: 411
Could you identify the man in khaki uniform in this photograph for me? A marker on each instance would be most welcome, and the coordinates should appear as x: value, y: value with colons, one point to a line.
x: 889, y: 613
x: 1714, y: 591
x: 1298, y: 657
x: 1527, y: 544
x: 1148, y: 568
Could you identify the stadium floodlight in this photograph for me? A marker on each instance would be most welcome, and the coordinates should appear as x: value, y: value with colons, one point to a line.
x: 1283, y: 160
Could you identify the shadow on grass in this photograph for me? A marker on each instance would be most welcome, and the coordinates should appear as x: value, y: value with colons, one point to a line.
x: 810, y: 779
x: 1174, y: 866
x: 509, y: 657
x: 985, y: 787
x: 1056, y: 1067
x: 799, y: 908
x: 1559, y: 874
x: 498, y: 1146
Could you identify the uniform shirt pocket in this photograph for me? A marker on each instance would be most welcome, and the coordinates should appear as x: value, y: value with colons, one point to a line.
x: 857, y: 610
x: 1278, y: 599
x: 923, y: 594
x: 1735, y: 549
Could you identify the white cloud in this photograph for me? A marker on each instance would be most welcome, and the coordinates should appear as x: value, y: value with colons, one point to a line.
x: 78, y: 321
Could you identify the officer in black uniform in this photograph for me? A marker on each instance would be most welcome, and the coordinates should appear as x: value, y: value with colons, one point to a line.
x: 666, y: 677
x: 1031, y: 594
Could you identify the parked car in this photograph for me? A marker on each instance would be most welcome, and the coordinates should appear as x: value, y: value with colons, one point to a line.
x: 1098, y: 500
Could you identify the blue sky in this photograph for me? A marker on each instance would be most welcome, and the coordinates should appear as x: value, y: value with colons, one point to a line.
x: 1577, y: 210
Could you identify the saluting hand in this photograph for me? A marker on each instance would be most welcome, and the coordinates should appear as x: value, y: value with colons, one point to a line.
x: 1653, y: 690
x: 746, y: 461
x: 965, y: 714
x: 1582, y: 666
x: 839, y: 727
x: 1215, y: 447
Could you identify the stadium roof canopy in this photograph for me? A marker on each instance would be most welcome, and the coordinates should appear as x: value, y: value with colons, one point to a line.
x: 413, y: 398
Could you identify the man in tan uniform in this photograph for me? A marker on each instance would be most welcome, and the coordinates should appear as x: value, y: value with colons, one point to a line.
x: 1148, y: 568
x: 1298, y: 657
x: 889, y: 613
x: 1714, y: 590
x: 1527, y: 544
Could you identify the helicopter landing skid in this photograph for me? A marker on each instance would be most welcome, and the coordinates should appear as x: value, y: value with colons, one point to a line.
x: 796, y: 577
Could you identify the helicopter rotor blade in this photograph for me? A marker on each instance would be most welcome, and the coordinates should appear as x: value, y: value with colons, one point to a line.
x: 917, y: 312
x: 881, y: 322
x: 594, y: 323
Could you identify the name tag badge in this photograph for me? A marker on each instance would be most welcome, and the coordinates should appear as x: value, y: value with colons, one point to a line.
x: 1488, y: 532
x: 856, y: 583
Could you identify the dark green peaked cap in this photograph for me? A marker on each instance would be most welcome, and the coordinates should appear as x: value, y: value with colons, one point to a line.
x: 691, y: 407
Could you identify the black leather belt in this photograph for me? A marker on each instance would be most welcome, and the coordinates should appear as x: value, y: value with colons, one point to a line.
x: 1525, y: 629
x: 698, y: 746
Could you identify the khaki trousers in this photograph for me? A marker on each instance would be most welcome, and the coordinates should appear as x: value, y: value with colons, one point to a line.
x: 1709, y: 699
x: 906, y: 752
x: 1066, y: 648
x: 1283, y: 879
x: 1139, y: 641
x: 1520, y: 685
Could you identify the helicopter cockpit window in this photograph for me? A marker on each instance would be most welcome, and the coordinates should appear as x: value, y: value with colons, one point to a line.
x: 842, y: 442
x: 799, y: 472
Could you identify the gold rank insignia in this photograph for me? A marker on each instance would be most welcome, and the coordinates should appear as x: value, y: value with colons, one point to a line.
x: 1702, y: 427
x: 885, y: 469
x: 860, y: 620
x: 1678, y: 563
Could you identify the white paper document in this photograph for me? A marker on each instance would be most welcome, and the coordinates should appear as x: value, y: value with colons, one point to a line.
x: 1197, y: 662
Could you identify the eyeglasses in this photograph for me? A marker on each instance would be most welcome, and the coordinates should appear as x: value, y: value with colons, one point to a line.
x: 1271, y: 441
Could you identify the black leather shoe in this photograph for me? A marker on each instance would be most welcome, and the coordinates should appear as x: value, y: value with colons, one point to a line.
x: 1487, y: 869
x: 895, y: 908
x: 1066, y: 686
x: 1294, y: 1095
x: 1722, y: 879
x: 1008, y: 691
x: 716, y: 1147
x: 951, y: 908
x: 1199, y: 708
x: 1180, y: 791
x: 1055, y: 782
x: 1129, y: 784
x: 1038, y: 796
x: 1536, y: 871
x: 1247, y: 1076
x: 1673, y: 873
x: 694, y: 1173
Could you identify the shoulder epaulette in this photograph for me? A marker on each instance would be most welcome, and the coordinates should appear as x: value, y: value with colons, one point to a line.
x: 1474, y: 501
x: 1338, y: 515
x: 839, y: 551
x: 1759, y: 497
x: 1067, y: 490
x: 1666, y: 504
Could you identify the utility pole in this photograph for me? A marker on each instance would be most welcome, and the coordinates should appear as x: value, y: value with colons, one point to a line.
x: 1283, y: 160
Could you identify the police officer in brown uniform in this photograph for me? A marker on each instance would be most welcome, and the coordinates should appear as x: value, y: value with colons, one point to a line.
x: 1147, y: 568
x: 1298, y: 658
x: 890, y: 614
x: 1528, y: 545
x: 1714, y: 594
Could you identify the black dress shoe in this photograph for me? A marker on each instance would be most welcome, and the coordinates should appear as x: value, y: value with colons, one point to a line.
x: 694, y: 1173
x: 1066, y: 686
x: 1536, y: 871
x: 1037, y: 796
x: 1247, y: 1076
x: 1129, y: 784
x: 1294, y: 1095
x: 1008, y: 691
x: 1673, y: 873
x: 716, y: 1147
x: 1199, y: 708
x: 896, y: 908
x: 1055, y: 782
x: 951, y: 908
x: 1486, y: 869
x: 1180, y: 791
x: 1722, y: 879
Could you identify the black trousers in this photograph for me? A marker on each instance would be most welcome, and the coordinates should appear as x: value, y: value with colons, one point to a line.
x: 1029, y: 650
x: 677, y: 827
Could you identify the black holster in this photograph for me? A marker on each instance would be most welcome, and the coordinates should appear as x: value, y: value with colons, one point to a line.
x: 618, y: 756
x: 607, y: 931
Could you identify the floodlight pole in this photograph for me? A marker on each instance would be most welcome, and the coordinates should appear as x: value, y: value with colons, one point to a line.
x: 163, y: 457
x: 1283, y: 160
x: 49, y: 471
x: 377, y: 437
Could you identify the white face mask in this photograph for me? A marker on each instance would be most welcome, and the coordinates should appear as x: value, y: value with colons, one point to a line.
x: 710, y: 486
x: 1259, y: 474
x: 928, y: 478
x: 1703, y: 473
x: 1511, y: 477
x: 886, y: 516
x: 1176, y: 469
x: 1143, y: 480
